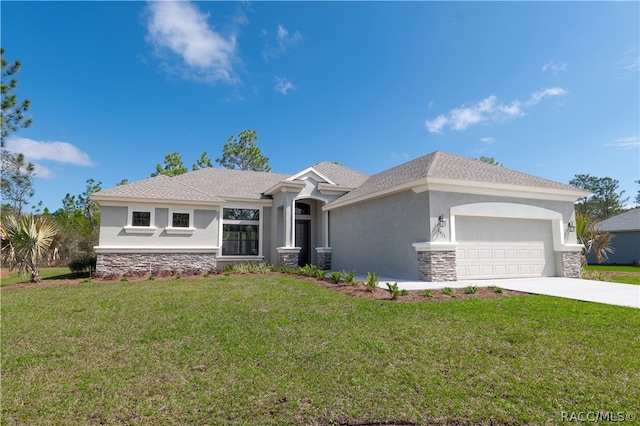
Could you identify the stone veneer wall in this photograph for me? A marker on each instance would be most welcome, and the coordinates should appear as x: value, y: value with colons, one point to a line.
x: 437, y: 265
x: 289, y: 259
x: 572, y: 264
x: 140, y: 264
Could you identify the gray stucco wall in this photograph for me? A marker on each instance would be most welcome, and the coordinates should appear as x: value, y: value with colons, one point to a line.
x: 377, y: 236
x: 114, y: 219
x: 627, y: 249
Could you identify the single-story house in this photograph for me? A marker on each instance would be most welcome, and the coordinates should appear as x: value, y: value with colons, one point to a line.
x: 440, y: 217
x: 625, y: 228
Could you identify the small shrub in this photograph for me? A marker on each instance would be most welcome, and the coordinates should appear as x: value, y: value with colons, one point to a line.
x: 321, y: 275
x: 372, y: 280
x: 206, y: 274
x: 349, y: 277
x: 471, y: 289
x: 496, y: 289
x: 594, y: 275
x: 393, y: 289
x: 335, y: 276
x: 86, y: 280
x: 427, y: 293
x: 152, y: 278
x: 404, y: 292
x: 308, y: 270
x: 124, y: 279
x: 448, y: 291
x: 83, y: 264
x: 178, y: 276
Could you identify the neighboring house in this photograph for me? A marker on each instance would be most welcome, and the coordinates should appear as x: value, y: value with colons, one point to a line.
x: 625, y: 228
x: 440, y: 217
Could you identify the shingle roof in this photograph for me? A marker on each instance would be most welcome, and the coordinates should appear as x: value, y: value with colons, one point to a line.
x: 227, y: 183
x: 443, y: 165
x: 340, y: 175
x: 156, y: 188
x: 627, y: 221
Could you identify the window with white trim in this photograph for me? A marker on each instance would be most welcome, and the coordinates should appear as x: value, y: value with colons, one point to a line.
x: 240, y: 232
x: 180, y: 221
x: 140, y: 220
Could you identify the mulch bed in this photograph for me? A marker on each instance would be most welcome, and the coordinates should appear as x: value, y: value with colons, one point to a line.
x: 353, y: 290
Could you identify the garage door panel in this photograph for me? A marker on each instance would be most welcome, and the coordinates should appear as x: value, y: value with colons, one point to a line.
x: 504, y: 248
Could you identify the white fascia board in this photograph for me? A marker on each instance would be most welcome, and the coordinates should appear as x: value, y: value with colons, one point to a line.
x: 247, y: 202
x: 328, y: 189
x: 154, y: 249
x: 500, y: 189
x: 315, y: 172
x: 285, y: 186
x: 119, y: 201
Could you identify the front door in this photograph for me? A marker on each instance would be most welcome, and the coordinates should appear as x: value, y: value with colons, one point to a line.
x: 303, y: 240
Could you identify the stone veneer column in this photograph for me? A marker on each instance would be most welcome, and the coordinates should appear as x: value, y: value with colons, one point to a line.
x: 572, y: 264
x: 324, y: 258
x: 436, y: 262
x: 288, y: 256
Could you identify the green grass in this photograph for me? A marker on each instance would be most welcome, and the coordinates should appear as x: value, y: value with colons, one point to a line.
x: 610, y: 273
x: 279, y: 350
x: 45, y: 273
x: 616, y: 268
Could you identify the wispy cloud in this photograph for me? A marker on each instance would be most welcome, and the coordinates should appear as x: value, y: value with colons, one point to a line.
x: 181, y: 28
x: 625, y: 143
x: 488, y: 140
x: 628, y: 64
x: 59, y: 152
x: 284, y: 85
x: 280, y: 42
x: 488, y: 110
x: 554, y: 67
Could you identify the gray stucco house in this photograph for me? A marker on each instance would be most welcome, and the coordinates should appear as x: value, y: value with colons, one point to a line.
x: 626, y: 241
x: 440, y: 217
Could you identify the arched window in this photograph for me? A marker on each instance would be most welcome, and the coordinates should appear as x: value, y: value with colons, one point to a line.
x: 303, y: 208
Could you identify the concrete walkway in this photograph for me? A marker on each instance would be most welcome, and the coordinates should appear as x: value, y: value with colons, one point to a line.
x: 570, y: 288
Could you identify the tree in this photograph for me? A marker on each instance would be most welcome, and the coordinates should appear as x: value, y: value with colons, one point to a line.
x: 203, y: 162
x: 604, y: 200
x: 490, y: 160
x: 26, y: 242
x: 173, y: 166
x: 79, y: 223
x: 12, y: 115
x: 16, y: 180
x: 243, y: 153
x: 637, y: 200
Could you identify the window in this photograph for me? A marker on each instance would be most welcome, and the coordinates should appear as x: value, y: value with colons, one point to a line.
x: 141, y: 219
x: 303, y: 208
x: 180, y: 220
x: 240, y: 232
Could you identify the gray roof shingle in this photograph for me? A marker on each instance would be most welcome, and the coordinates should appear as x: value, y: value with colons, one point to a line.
x: 627, y: 221
x: 156, y: 188
x: 340, y: 175
x: 443, y: 165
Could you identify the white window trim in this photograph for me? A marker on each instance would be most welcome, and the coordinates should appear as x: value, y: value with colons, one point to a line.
x: 241, y: 222
x: 177, y: 230
x: 130, y: 229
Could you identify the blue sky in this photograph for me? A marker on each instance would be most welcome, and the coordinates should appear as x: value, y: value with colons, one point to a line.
x: 550, y: 89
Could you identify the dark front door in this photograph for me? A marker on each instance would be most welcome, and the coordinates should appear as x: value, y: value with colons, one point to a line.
x: 303, y: 240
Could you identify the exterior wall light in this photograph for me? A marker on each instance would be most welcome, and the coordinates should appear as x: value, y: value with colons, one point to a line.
x: 571, y: 227
x: 442, y: 222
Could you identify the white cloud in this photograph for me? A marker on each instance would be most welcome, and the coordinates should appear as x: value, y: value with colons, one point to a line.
x: 554, y: 67
x: 61, y: 152
x: 182, y: 29
x: 488, y: 140
x: 629, y: 64
x: 487, y: 110
x: 283, y: 85
x: 626, y: 142
x: 283, y: 42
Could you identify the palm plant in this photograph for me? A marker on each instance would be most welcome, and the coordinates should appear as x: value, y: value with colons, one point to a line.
x: 594, y: 240
x: 26, y: 242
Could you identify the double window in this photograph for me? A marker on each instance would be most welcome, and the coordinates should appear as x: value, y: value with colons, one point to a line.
x: 240, y: 232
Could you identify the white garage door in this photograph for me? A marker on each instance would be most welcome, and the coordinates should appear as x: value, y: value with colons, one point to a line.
x: 490, y: 247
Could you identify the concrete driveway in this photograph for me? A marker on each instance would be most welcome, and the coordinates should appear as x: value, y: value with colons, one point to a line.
x: 570, y: 288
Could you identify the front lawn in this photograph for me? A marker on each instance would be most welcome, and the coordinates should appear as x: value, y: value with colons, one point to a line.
x: 279, y: 350
x: 614, y: 273
x: 9, y: 278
